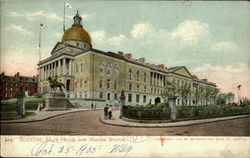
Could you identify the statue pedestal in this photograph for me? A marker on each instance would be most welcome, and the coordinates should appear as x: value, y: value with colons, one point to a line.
x: 56, y: 101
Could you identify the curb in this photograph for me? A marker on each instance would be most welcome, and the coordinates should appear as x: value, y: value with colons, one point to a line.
x: 49, y: 117
x: 169, y: 124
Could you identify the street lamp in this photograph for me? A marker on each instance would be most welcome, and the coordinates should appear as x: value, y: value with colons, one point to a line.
x: 239, y: 94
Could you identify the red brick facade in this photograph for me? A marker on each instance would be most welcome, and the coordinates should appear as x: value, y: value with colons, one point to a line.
x: 10, y: 85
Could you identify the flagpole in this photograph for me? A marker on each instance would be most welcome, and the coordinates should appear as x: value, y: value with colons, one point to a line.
x: 40, y: 43
x: 64, y: 17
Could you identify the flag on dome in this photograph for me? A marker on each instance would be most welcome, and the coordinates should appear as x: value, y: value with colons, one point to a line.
x: 67, y: 5
x: 43, y: 26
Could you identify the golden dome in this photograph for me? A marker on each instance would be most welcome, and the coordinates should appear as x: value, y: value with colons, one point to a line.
x: 76, y: 33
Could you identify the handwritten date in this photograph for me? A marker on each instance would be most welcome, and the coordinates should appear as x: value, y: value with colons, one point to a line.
x: 51, y: 148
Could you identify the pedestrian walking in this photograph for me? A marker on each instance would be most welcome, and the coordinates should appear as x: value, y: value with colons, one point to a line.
x: 106, y: 111
x: 39, y: 107
x: 110, y: 109
x: 92, y: 105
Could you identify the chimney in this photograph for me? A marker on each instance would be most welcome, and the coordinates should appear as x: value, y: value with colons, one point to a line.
x: 120, y: 53
x: 142, y: 60
x: 204, y: 80
x: 17, y: 74
x: 129, y: 55
x: 194, y: 76
x: 161, y: 66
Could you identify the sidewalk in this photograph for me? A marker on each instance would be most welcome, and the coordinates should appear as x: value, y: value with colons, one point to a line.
x: 116, y: 121
x: 44, y: 115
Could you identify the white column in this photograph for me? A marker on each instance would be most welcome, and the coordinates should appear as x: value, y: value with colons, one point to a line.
x: 73, y: 68
x: 39, y: 74
x: 42, y: 73
x: 50, y: 68
x: 64, y: 67
x: 59, y: 67
x: 45, y: 72
x: 70, y: 67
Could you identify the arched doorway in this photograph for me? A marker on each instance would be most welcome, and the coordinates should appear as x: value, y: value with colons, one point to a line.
x: 157, y: 100
x: 67, y: 85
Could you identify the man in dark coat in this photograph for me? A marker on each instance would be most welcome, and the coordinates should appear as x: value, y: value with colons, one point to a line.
x: 106, y: 111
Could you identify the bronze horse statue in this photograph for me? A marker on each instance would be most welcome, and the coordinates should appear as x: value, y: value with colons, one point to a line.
x: 54, y: 84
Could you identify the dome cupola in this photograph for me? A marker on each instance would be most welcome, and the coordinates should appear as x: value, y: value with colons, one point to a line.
x: 77, y: 32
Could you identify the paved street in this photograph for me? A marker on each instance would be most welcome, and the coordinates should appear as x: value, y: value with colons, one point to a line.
x: 87, y: 123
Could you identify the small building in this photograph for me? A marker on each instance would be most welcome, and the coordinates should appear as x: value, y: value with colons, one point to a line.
x: 10, y: 85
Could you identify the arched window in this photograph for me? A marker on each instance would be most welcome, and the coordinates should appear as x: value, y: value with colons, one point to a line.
x: 130, y: 87
x: 137, y: 75
x: 145, y: 77
x: 101, y: 67
x: 81, y: 66
x: 109, y: 68
x: 138, y: 87
x: 116, y: 70
x: 100, y: 84
x: 108, y: 83
x: 130, y: 74
x: 115, y: 85
x: 76, y: 68
x: 86, y: 66
x: 145, y: 89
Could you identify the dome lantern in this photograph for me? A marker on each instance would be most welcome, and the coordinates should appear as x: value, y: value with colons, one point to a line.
x: 77, y: 32
x: 77, y: 20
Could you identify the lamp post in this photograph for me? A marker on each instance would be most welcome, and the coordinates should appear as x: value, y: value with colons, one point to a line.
x: 239, y: 94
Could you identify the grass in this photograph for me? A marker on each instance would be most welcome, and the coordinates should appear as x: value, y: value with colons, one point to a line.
x: 11, y: 104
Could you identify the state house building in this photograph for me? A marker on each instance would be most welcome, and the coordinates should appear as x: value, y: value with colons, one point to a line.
x: 94, y: 74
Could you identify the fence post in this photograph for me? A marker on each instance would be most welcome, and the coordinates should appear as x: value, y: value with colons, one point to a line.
x: 172, y: 105
x: 21, y: 102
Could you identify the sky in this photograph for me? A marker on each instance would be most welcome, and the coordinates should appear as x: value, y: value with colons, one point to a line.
x: 210, y: 38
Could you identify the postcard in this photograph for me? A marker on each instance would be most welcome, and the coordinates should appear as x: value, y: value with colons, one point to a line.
x: 125, y: 78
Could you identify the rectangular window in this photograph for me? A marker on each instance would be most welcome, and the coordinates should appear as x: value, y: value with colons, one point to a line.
x: 100, y: 84
x: 108, y: 96
x: 115, y: 96
x: 86, y: 95
x: 101, y: 95
x: 108, y: 83
x: 144, y: 99
x: 85, y: 83
x: 137, y: 98
x: 129, y: 97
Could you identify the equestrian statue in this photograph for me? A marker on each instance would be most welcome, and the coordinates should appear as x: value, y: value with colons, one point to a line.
x: 54, y: 84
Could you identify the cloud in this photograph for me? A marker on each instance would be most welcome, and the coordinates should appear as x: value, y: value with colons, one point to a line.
x: 227, y: 77
x: 117, y: 40
x: 38, y: 15
x: 98, y: 36
x: 18, y: 29
x: 58, y: 35
x: 190, y: 32
x: 221, y: 46
x: 139, y: 30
